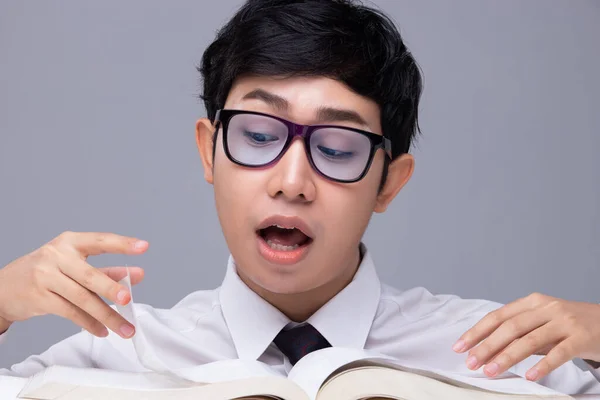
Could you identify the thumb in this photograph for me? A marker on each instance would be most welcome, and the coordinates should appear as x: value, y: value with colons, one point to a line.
x: 117, y: 273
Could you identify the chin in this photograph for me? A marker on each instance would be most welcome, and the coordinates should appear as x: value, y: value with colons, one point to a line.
x: 282, y: 279
x: 273, y: 279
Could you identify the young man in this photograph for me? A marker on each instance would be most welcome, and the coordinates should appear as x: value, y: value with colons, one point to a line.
x: 312, y: 109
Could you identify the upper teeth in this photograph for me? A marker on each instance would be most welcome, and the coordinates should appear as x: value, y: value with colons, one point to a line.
x: 282, y: 227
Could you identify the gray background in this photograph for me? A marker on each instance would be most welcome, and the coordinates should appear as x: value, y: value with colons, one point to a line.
x: 97, y: 111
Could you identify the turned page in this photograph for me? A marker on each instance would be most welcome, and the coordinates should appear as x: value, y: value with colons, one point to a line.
x: 313, y: 369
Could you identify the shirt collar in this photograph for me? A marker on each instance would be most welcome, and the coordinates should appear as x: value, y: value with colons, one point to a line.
x: 252, y: 321
x: 345, y: 320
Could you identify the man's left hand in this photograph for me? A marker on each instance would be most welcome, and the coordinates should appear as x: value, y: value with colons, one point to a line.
x: 534, y: 325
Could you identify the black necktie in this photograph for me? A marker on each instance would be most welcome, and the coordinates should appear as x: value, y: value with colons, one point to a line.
x: 297, y: 342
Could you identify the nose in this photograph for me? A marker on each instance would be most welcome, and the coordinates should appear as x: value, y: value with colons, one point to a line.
x: 293, y: 178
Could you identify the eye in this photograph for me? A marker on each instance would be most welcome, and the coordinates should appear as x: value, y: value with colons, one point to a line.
x: 334, y: 154
x: 260, y: 138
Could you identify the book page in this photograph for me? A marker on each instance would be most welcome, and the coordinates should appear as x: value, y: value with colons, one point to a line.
x: 313, y: 370
x: 255, y: 388
x: 10, y: 386
x: 475, y: 380
x: 57, y: 374
x: 146, y: 355
x: 67, y: 383
x: 220, y: 371
x: 388, y: 383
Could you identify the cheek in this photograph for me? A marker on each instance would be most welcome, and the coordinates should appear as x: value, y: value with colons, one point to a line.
x: 239, y: 195
x: 361, y: 197
x: 348, y: 209
x: 235, y: 193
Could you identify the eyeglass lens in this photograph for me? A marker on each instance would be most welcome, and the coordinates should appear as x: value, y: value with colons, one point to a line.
x: 256, y: 140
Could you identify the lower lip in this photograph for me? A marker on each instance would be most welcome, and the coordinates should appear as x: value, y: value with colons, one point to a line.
x: 281, y: 256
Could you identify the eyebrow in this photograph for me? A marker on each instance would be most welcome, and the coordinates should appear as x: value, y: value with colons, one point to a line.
x: 324, y: 114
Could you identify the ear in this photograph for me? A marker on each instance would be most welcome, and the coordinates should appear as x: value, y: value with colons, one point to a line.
x: 399, y: 172
x: 204, y: 140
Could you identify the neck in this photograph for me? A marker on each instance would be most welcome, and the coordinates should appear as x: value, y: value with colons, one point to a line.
x: 298, y: 307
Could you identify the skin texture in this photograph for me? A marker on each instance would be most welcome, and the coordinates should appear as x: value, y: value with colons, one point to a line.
x: 537, y: 324
x: 56, y: 279
x: 245, y: 197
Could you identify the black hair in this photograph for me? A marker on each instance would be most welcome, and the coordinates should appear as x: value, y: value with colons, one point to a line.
x: 340, y: 39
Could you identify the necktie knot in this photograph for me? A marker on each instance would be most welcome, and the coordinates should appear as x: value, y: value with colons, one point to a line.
x: 297, y: 342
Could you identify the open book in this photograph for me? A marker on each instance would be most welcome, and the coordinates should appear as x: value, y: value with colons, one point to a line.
x: 326, y: 374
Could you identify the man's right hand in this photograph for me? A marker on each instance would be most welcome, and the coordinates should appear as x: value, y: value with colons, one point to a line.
x: 56, y: 279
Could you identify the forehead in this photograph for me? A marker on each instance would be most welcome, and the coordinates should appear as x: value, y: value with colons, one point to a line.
x: 304, y: 98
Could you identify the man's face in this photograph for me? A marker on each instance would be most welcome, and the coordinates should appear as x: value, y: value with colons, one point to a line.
x: 323, y: 220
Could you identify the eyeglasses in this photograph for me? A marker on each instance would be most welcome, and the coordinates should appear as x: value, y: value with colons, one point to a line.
x: 341, y: 154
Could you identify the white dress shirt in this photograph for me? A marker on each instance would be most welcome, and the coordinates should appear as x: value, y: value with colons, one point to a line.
x: 414, y: 326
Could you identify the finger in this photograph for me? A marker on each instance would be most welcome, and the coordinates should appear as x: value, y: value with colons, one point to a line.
x: 564, y: 352
x: 522, y: 348
x: 94, y: 280
x: 489, y: 324
x: 57, y: 305
x: 117, y: 273
x: 93, y: 305
x: 510, y: 330
x: 95, y: 243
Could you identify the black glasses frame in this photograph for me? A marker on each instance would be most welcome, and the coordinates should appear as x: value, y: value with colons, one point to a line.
x: 223, y: 116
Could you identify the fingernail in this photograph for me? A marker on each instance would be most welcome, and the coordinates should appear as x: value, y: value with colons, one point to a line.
x: 492, y: 369
x: 127, y: 330
x: 471, y: 362
x: 532, y: 374
x: 121, y: 296
x: 140, y: 244
x: 459, y: 346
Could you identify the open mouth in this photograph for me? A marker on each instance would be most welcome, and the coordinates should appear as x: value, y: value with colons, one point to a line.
x: 284, y: 240
x: 280, y: 238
